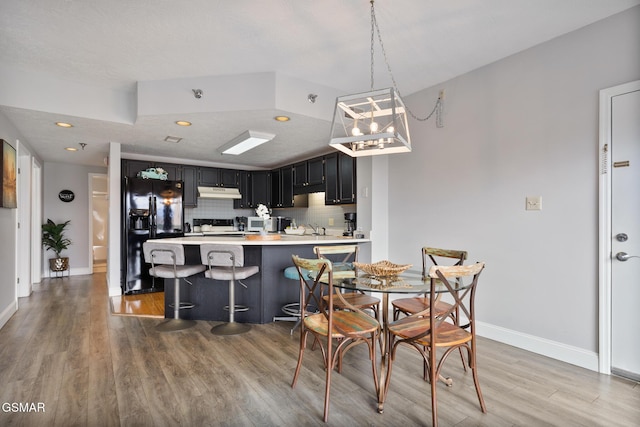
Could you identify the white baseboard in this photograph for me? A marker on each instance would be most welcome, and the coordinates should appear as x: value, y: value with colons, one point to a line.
x: 556, y: 350
x: 6, y: 314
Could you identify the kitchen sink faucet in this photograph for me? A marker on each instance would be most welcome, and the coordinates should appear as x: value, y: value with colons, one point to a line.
x: 316, y: 230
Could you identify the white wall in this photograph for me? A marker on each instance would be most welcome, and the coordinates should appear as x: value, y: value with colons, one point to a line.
x: 8, y: 227
x: 523, y: 126
x: 64, y: 176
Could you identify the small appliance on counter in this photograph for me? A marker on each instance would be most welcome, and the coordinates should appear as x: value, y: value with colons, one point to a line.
x: 241, y: 223
x: 215, y: 227
x: 349, y: 224
x: 255, y: 223
x: 277, y: 224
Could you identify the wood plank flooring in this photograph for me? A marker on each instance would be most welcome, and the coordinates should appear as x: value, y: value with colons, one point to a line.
x: 63, y: 348
x: 145, y: 305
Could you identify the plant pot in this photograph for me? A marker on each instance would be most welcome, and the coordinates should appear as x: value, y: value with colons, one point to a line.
x: 59, y: 264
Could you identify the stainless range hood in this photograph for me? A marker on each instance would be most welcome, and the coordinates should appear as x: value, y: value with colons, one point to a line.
x: 218, y: 193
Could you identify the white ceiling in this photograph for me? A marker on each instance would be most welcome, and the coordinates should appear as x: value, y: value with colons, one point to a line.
x: 111, y: 46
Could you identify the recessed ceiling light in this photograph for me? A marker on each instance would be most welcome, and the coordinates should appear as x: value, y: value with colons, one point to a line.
x: 282, y: 118
x: 64, y: 125
x: 71, y: 149
x: 183, y: 123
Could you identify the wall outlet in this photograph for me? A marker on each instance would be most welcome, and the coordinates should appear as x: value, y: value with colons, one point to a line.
x: 330, y: 221
x: 534, y: 203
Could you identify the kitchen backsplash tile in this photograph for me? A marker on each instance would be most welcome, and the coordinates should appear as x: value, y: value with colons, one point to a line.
x: 316, y: 213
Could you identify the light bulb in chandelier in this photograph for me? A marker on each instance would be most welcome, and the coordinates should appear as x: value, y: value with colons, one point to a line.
x: 373, y: 127
x: 356, y: 131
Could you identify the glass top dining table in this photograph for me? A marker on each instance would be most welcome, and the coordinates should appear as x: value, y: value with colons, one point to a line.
x: 409, y: 282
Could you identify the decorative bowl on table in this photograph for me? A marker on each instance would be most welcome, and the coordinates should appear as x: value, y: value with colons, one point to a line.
x: 382, y: 268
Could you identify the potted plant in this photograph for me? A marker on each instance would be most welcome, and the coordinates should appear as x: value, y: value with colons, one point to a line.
x: 53, y: 238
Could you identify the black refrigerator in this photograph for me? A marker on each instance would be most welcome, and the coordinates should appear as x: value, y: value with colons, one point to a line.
x: 152, y: 209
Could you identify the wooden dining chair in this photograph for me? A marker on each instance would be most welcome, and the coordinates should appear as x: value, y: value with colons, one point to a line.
x: 429, y: 330
x: 348, y: 255
x: 430, y: 256
x: 330, y: 327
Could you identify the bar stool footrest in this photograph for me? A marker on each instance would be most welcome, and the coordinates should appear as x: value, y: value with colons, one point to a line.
x: 183, y: 305
x: 238, y: 308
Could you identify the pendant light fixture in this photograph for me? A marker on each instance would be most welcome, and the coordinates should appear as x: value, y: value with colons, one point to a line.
x: 374, y: 122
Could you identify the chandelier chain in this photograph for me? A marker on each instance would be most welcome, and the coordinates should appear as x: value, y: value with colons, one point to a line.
x: 374, y: 26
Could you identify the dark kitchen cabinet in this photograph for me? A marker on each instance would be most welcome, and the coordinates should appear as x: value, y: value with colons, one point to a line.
x: 208, y: 177
x: 244, y: 185
x: 190, y: 189
x: 260, y: 188
x: 131, y: 168
x: 315, y: 171
x: 340, y: 186
x: 308, y: 176
x: 174, y: 172
x: 217, y: 177
x: 282, y: 187
x: 229, y: 178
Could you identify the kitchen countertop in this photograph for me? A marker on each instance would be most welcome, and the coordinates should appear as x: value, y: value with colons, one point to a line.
x: 287, y: 239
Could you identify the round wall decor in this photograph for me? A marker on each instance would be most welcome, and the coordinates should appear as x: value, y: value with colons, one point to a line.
x: 66, y: 196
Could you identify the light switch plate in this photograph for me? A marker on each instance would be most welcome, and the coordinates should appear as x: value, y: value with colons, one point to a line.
x: 534, y: 203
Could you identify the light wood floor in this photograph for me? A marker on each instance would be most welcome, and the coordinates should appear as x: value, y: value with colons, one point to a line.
x: 90, y: 368
x: 144, y: 305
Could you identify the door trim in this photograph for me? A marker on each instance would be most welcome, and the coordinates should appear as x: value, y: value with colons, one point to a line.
x: 604, y: 223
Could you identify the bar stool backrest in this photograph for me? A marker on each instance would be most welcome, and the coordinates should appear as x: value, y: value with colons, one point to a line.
x: 220, y: 255
x: 163, y: 253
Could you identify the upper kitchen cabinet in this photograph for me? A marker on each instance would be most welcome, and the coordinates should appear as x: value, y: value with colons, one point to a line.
x: 308, y: 176
x: 260, y: 188
x: 340, y: 185
x: 174, y: 172
x: 229, y: 178
x: 190, y: 190
x: 282, y: 187
x: 209, y: 177
x: 216, y: 177
x: 244, y: 179
x: 131, y: 168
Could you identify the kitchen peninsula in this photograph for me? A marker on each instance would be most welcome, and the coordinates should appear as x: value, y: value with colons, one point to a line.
x: 266, y: 292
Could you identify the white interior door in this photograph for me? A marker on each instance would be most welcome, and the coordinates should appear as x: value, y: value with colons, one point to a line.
x: 625, y: 228
x: 24, y: 240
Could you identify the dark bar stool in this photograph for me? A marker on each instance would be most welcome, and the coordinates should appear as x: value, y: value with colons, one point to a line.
x: 167, y: 262
x: 226, y: 262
